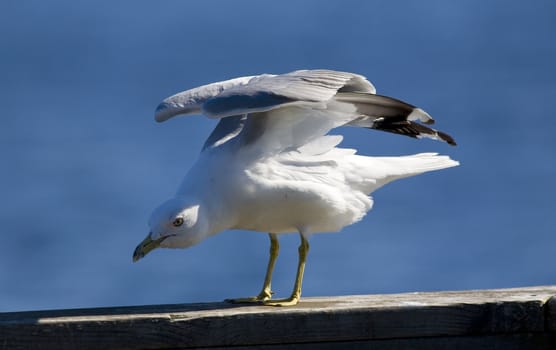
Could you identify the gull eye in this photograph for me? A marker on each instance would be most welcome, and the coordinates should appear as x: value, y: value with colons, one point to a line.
x: 178, y: 222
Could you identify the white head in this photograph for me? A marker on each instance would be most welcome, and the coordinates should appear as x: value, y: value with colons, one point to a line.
x: 176, y: 223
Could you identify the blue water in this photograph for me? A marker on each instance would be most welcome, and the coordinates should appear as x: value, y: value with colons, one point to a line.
x: 83, y: 162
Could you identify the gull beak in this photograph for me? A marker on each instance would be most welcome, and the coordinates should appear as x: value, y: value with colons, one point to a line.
x: 146, y: 246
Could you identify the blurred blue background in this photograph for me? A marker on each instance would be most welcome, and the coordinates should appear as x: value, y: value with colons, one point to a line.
x: 84, y: 163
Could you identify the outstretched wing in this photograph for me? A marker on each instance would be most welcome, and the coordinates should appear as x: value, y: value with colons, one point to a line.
x: 261, y: 93
x: 306, y: 104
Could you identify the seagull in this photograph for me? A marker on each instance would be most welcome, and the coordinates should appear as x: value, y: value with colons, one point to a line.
x: 270, y: 164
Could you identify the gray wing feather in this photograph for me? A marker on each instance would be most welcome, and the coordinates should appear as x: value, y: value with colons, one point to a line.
x: 266, y: 92
x: 225, y: 130
x: 261, y: 93
x: 189, y: 102
x: 377, y: 106
x: 231, y: 104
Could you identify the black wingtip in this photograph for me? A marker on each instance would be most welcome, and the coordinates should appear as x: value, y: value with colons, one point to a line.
x: 412, y: 129
x: 447, y: 138
x: 391, y: 115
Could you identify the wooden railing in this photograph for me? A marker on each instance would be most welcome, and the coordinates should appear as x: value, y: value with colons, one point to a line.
x: 521, y: 318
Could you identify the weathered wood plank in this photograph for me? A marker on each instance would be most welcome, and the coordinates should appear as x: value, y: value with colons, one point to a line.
x: 551, y: 315
x: 521, y: 314
x: 488, y: 342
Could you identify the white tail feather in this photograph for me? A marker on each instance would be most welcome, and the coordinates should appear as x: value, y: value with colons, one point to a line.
x: 370, y: 173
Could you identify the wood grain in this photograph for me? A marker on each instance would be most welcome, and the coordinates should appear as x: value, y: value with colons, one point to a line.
x: 480, y: 319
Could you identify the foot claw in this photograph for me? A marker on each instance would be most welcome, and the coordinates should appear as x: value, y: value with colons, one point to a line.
x: 291, y: 301
x: 259, y: 299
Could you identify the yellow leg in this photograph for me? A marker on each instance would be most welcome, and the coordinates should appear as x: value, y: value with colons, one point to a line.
x: 296, y: 293
x: 266, y: 292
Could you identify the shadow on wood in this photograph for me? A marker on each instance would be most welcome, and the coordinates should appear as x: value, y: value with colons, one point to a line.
x: 520, y: 318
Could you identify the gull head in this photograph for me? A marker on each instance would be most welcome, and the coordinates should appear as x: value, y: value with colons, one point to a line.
x: 176, y: 223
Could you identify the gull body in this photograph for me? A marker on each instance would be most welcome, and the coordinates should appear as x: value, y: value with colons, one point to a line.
x: 271, y: 166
